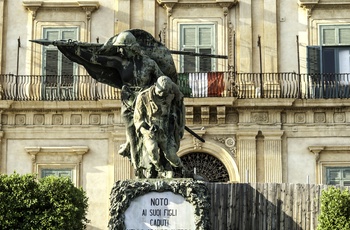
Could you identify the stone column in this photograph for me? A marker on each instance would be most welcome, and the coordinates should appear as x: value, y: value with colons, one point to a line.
x: 246, y: 155
x: 273, y: 156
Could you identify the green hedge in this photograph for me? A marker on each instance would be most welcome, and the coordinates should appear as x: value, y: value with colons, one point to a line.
x: 47, y: 203
x: 335, y: 210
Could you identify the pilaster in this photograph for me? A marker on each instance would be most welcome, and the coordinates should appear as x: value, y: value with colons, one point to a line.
x: 122, y: 16
x: 246, y: 155
x: 273, y: 156
x: 244, y: 38
x: 269, y: 42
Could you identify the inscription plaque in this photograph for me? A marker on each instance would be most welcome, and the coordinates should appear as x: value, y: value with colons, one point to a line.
x: 160, y: 210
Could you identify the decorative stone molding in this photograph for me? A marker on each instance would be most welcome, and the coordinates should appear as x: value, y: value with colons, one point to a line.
x: 309, y: 5
x: 58, y: 157
x: 229, y: 142
x: 170, y: 4
x: 87, y: 6
x: 197, y: 144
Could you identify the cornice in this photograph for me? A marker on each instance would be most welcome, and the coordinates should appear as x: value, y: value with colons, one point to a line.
x: 170, y: 4
x: 87, y: 6
x: 310, y: 5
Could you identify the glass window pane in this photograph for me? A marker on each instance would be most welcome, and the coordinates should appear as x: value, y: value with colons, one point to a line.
x: 333, y: 182
x: 57, y: 172
x: 346, y: 174
x: 205, y: 36
x: 346, y: 183
x: 334, y: 174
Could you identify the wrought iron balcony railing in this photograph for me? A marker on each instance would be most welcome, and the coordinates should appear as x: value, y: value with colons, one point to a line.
x: 212, y: 84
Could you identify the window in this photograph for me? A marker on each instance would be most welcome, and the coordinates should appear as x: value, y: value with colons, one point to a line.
x: 57, y: 172
x: 333, y: 55
x: 57, y: 68
x: 198, y: 39
x: 59, y: 161
x: 332, y: 164
x: 54, y: 62
x: 338, y: 176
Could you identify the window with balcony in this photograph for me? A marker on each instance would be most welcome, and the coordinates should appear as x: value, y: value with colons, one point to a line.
x: 57, y: 68
x: 333, y: 55
x: 197, y: 38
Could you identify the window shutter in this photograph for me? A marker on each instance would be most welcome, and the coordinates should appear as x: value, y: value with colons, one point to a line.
x: 52, y: 35
x: 67, y: 66
x: 205, y: 62
x: 205, y: 36
x: 51, y: 57
x: 189, y: 62
x: 313, y: 59
x: 344, y: 36
x: 189, y: 36
x: 328, y: 37
x: 69, y: 35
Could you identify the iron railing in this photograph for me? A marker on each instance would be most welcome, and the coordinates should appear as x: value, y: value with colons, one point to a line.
x: 212, y: 84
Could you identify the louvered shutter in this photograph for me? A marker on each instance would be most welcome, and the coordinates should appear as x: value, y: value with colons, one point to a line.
x: 313, y: 59
x: 344, y: 36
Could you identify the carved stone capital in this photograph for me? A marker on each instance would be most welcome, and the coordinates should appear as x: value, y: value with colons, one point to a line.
x: 316, y: 150
x: 308, y: 5
x: 168, y: 5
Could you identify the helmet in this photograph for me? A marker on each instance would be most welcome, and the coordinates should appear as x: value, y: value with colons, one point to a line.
x: 125, y: 39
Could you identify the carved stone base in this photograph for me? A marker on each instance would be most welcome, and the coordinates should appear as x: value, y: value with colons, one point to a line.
x: 154, y: 203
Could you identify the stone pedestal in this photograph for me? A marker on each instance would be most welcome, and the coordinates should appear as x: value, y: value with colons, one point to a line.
x: 159, y: 204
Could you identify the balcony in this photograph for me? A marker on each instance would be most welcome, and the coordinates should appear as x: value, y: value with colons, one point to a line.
x: 193, y: 85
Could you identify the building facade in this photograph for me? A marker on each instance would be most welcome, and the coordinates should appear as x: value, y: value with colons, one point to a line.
x: 276, y: 110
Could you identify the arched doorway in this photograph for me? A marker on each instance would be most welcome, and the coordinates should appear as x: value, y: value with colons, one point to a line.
x: 212, y: 162
x: 207, y: 166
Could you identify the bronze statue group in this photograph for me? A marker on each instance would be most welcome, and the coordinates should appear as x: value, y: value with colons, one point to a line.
x: 152, y: 104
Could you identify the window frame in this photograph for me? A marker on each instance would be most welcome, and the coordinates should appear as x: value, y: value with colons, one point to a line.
x: 330, y: 156
x: 197, y: 47
x: 58, y: 158
x: 319, y: 53
x: 341, y: 180
x: 60, y: 56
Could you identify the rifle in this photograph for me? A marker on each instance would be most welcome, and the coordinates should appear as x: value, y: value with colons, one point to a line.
x: 70, y: 42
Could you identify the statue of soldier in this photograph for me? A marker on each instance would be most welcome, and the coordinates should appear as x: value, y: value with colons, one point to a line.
x: 145, y: 73
x: 159, y: 124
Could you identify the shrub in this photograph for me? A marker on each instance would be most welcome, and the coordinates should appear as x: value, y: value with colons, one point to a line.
x: 48, y: 203
x: 335, y: 210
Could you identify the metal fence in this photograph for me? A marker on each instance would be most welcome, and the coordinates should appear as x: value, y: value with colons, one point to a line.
x: 211, y: 84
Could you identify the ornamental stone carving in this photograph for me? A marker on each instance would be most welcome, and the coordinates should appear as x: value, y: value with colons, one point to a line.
x: 259, y: 117
x: 319, y: 117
